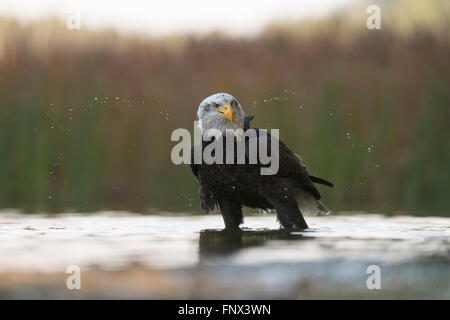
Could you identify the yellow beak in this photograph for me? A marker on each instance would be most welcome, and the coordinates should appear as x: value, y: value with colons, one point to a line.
x: 226, y: 111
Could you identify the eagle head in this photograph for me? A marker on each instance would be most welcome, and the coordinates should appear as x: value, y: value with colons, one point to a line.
x: 220, y: 111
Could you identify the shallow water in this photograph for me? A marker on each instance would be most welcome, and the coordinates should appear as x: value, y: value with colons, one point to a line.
x: 132, y: 256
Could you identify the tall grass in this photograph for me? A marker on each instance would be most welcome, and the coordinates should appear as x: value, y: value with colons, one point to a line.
x: 86, y: 117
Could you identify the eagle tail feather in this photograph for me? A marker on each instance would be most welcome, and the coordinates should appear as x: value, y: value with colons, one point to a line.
x: 310, y: 206
x: 321, y: 181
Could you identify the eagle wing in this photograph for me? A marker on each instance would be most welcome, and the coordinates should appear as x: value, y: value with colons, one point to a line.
x: 194, y: 167
x: 208, y: 199
x: 248, y: 119
x: 290, y: 165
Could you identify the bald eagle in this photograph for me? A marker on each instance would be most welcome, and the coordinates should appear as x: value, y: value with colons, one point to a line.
x: 290, y: 191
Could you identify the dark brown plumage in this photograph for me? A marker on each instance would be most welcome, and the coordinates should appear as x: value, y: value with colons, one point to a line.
x: 231, y: 186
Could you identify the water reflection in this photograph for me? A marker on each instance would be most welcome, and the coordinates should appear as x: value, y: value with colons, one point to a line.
x: 225, y: 242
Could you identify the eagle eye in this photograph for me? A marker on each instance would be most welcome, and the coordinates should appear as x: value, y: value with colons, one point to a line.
x: 217, y: 105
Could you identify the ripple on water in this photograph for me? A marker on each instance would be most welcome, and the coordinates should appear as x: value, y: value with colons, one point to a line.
x: 274, y: 262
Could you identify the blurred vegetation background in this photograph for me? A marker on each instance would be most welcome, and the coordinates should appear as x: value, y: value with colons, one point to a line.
x: 86, y: 117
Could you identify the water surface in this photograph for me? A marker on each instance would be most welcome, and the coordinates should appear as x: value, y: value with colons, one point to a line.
x: 125, y: 255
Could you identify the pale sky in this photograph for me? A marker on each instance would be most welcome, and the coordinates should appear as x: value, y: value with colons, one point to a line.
x: 237, y: 17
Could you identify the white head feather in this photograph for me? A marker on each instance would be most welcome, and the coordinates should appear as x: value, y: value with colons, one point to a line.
x: 210, y: 119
